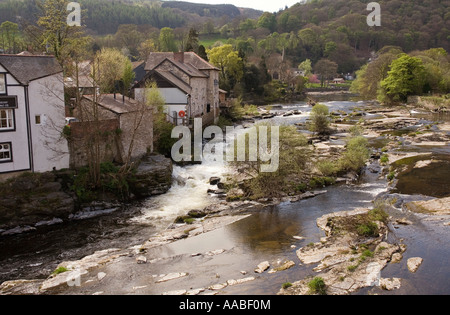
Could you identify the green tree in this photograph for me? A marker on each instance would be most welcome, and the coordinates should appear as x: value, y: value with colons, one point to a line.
x: 9, y: 37
x: 306, y: 67
x: 406, y: 77
x: 368, y: 78
x: 267, y: 20
x: 228, y: 61
x: 56, y: 35
x: 192, y: 42
x: 167, y: 40
x: 112, y: 67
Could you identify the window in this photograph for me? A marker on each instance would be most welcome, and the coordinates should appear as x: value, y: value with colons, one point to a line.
x: 6, y: 119
x: 37, y: 119
x: 2, y: 83
x: 208, y: 108
x: 5, y: 152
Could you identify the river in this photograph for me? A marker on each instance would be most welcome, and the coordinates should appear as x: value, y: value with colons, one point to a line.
x: 265, y: 235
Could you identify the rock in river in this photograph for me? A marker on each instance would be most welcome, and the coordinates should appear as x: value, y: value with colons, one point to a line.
x: 414, y: 263
x: 153, y: 176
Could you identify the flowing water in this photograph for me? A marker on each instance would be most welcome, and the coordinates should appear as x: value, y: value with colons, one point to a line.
x: 265, y: 235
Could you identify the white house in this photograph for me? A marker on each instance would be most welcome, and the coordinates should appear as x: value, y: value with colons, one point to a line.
x: 188, y: 83
x: 32, y: 115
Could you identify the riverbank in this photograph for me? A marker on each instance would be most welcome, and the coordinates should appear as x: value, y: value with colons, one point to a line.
x: 85, y: 276
x: 39, y: 199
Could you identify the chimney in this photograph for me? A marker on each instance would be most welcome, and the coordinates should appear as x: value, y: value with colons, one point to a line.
x: 179, y: 56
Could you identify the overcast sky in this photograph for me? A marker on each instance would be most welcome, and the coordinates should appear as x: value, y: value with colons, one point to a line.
x: 264, y: 5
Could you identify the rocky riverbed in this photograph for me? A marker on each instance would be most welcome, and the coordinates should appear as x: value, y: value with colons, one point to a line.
x: 197, y: 255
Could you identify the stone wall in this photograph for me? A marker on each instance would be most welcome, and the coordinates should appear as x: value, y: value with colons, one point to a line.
x: 136, y: 131
x: 80, y: 137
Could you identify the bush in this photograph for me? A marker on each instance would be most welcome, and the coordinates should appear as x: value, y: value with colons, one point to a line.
x: 391, y: 176
x: 317, y: 286
x: 320, y: 120
x: 367, y: 229
x: 293, y: 158
x: 286, y: 285
x: 356, y: 154
x: 327, y: 168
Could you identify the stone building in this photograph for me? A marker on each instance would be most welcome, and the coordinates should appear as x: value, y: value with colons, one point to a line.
x: 125, y: 125
x: 189, y: 84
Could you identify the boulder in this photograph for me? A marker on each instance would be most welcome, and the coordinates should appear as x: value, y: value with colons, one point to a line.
x: 390, y: 284
x: 35, y: 198
x: 414, y: 263
x: 214, y: 180
x: 262, y: 267
x: 153, y: 176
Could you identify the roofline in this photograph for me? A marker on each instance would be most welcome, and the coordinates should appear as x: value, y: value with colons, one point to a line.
x: 175, y: 64
x: 10, y: 73
x: 24, y: 56
x: 182, y: 88
x: 21, y: 56
x: 212, y: 66
x: 48, y: 75
x: 90, y: 97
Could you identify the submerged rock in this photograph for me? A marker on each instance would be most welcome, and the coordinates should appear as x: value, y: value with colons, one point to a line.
x: 390, y: 284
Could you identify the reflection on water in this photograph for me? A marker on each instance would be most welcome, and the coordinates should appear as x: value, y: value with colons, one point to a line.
x: 430, y: 180
x: 273, y: 230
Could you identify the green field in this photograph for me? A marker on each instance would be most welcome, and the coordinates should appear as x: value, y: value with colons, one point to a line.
x: 209, y: 40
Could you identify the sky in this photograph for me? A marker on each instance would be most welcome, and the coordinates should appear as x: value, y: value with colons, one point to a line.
x: 264, y: 5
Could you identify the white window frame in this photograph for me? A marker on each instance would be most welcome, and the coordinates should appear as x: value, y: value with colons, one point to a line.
x: 5, y: 148
x: 9, y: 119
x: 3, y: 85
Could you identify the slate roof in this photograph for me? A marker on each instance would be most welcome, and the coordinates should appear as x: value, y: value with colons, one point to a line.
x: 191, y: 61
x: 118, y: 105
x: 174, y: 80
x: 26, y: 68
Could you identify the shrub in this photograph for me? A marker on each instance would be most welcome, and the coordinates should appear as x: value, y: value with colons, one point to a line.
x: 317, y: 286
x: 286, y: 285
x: 356, y: 154
x: 384, y: 159
x: 320, y: 120
x: 365, y: 254
x: 391, y: 176
x: 327, y: 168
x: 367, y: 229
x: 378, y: 213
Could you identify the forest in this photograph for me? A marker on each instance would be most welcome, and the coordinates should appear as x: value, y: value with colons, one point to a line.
x: 322, y: 38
